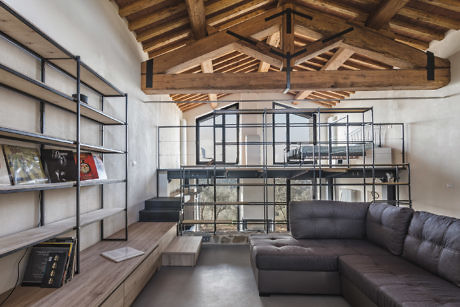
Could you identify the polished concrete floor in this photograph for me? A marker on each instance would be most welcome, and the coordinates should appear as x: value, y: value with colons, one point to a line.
x: 222, y: 277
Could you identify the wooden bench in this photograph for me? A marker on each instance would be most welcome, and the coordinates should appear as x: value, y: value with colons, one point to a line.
x: 183, y: 251
x: 103, y: 282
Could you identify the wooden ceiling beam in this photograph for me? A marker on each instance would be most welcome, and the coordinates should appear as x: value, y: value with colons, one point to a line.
x: 138, y: 6
x: 260, y: 51
x: 207, y: 68
x: 164, y: 41
x: 413, y: 30
x: 317, y: 48
x: 272, y: 40
x: 162, y: 29
x: 398, y: 79
x: 157, y: 16
x: 196, y: 14
x: 368, y: 42
x: 430, y: 18
x: 386, y: 10
x: 345, y: 11
x: 235, y: 12
x: 169, y: 48
x: 241, y: 19
x: 340, y: 57
x: 451, y: 5
x: 214, y: 45
x: 422, y: 45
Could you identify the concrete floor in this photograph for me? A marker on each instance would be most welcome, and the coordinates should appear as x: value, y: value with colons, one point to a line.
x: 222, y: 277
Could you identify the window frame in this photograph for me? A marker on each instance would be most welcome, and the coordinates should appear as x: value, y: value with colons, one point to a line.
x: 220, y: 126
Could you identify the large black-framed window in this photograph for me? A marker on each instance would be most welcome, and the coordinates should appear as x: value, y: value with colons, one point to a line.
x: 226, y: 129
x: 289, y: 130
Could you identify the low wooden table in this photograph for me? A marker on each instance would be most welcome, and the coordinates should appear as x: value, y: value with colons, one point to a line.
x: 183, y: 251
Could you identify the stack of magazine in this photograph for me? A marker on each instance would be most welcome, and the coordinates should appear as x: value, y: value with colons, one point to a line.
x: 23, y: 165
x: 51, y: 264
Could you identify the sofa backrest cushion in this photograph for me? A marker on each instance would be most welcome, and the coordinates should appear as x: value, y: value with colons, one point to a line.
x: 386, y: 225
x: 433, y: 242
x: 327, y: 219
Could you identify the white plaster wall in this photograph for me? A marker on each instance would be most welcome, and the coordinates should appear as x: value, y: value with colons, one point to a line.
x: 93, y: 30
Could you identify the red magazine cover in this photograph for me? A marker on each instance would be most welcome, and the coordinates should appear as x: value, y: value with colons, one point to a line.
x: 88, y: 168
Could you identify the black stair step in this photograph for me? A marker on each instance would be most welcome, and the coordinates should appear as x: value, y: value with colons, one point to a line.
x: 163, y: 203
x: 158, y: 216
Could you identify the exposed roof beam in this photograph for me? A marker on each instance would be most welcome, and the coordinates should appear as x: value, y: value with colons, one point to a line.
x: 452, y: 5
x: 337, y: 60
x: 260, y: 51
x: 237, y: 11
x: 156, y: 16
x: 385, y: 11
x: 398, y: 79
x: 272, y: 40
x: 196, y: 14
x: 138, y: 6
x: 421, y: 32
x: 368, y: 42
x: 317, y: 48
x: 430, y: 18
x: 157, y: 31
x: 216, y: 44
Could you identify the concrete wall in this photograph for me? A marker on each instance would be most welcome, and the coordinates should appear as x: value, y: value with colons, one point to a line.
x: 93, y: 30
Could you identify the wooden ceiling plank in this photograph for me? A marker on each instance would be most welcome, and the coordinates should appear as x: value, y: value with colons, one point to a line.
x: 422, y: 45
x: 157, y: 16
x: 317, y: 48
x: 272, y: 40
x: 196, y: 14
x: 331, y: 6
x: 214, y: 45
x: 237, y: 11
x: 399, y: 79
x: 162, y: 29
x: 260, y: 51
x: 164, y: 41
x: 337, y: 60
x: 243, y: 18
x: 451, y: 5
x: 430, y: 18
x: 385, y: 12
x: 169, y: 48
x: 138, y: 6
x: 416, y: 31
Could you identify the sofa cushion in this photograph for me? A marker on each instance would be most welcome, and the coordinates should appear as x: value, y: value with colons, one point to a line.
x: 327, y: 219
x: 392, y: 281
x: 433, y: 242
x: 386, y: 225
x: 281, y: 253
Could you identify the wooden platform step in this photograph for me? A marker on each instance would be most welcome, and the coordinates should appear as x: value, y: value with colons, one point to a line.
x: 183, y: 251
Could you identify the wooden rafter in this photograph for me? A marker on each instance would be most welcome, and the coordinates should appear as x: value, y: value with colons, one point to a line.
x: 215, y: 45
x: 410, y: 79
x: 272, y: 40
x: 385, y: 12
x: 138, y: 6
x: 157, y: 16
x: 196, y: 14
x: 337, y: 60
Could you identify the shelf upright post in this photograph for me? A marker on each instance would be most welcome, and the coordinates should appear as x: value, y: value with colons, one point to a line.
x: 41, y: 194
x: 373, y: 154
x: 215, y: 170
x: 363, y: 139
x: 77, y: 213
x: 320, y: 162
x: 102, y: 186
x: 126, y: 166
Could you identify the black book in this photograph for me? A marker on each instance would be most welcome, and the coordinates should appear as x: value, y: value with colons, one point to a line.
x: 59, y: 165
x: 55, y: 270
x: 70, y: 267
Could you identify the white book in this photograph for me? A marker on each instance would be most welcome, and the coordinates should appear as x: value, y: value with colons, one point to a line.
x: 4, y: 177
x: 100, y: 167
x: 121, y: 254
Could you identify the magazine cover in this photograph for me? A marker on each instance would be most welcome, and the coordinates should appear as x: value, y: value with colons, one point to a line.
x: 100, y: 167
x: 88, y: 168
x: 59, y: 165
x: 4, y: 177
x: 24, y: 165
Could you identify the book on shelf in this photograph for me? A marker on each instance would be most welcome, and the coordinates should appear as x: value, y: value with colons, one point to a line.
x: 51, y: 263
x: 101, y: 173
x: 24, y: 165
x: 4, y: 176
x: 88, y: 168
x: 121, y: 254
x: 59, y: 165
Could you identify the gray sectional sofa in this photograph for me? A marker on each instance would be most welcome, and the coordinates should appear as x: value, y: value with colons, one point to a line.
x: 372, y: 254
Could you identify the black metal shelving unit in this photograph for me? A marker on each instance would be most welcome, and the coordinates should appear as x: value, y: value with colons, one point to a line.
x: 26, y: 37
